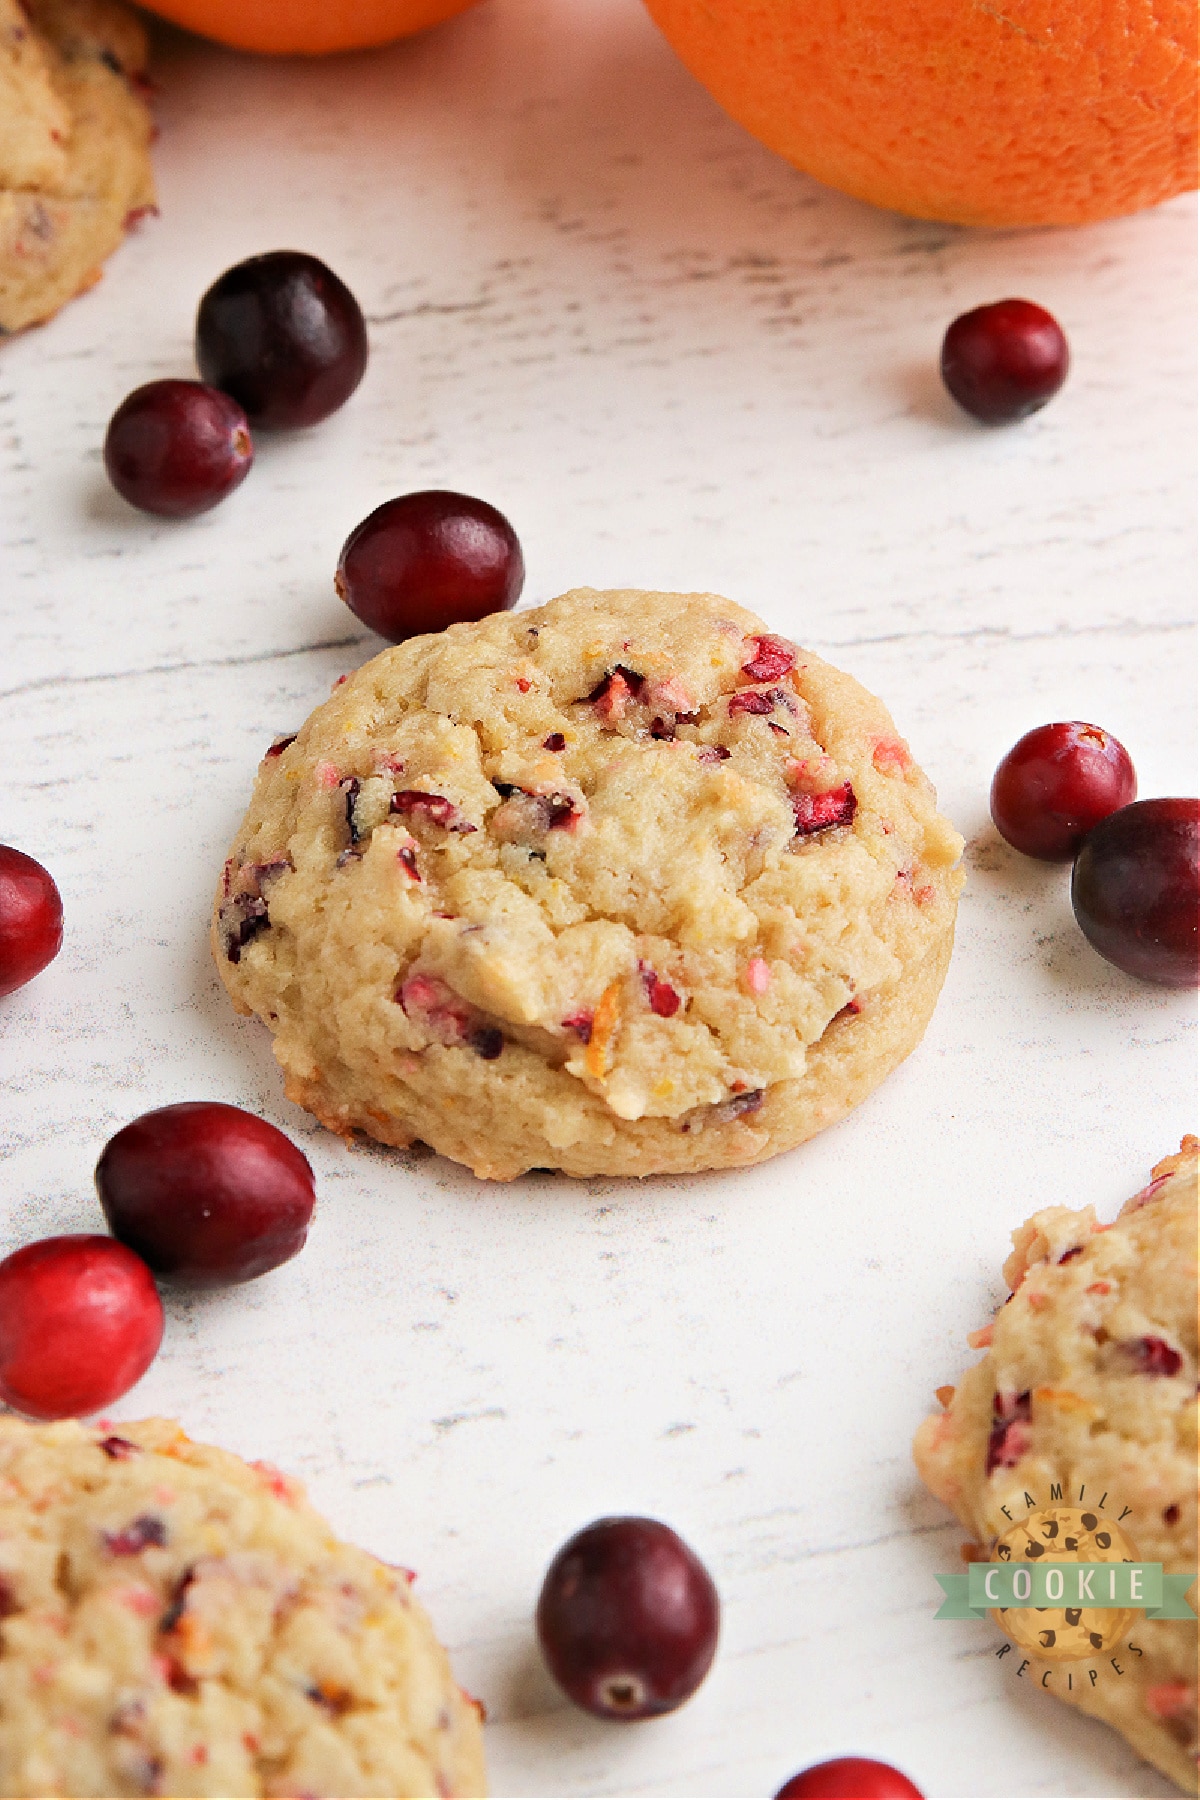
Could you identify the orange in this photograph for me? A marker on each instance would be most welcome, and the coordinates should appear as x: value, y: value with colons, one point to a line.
x: 983, y: 112
x: 306, y: 27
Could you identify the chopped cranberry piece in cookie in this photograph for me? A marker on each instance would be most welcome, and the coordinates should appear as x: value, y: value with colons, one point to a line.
x: 660, y: 995
x: 581, y: 1024
x: 117, y: 1449
x: 1154, y: 1356
x: 758, y: 975
x: 433, y: 1005
x: 240, y: 920
x: 739, y: 1104
x: 818, y: 812
x: 280, y: 744
x: 145, y: 1532
x: 350, y: 787
x: 773, y: 657
x: 1011, y: 1432
x: 749, y: 700
x: 556, y: 741
x: 435, y: 807
x: 526, y: 817
x: 611, y: 696
x: 713, y: 753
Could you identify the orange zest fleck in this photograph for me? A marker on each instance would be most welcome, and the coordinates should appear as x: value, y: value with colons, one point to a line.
x: 605, y: 1021
x: 1064, y: 1399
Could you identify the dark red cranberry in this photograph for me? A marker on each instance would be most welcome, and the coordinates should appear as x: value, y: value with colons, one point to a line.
x: 1055, y: 784
x: 80, y: 1322
x: 177, y: 448
x: 284, y: 336
x: 849, y: 1778
x: 628, y: 1619
x: 1136, y: 890
x: 206, y: 1193
x: 1003, y: 361
x: 31, y: 919
x: 1012, y: 1430
x: 428, y: 560
x: 1154, y: 1356
x: 142, y: 1533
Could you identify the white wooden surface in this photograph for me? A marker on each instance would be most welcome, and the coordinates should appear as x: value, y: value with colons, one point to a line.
x: 673, y: 362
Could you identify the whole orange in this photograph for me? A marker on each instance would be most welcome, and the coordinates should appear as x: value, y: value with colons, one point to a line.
x: 306, y: 27
x: 984, y: 112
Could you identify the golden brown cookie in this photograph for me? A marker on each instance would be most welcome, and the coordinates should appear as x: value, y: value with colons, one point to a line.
x: 1087, y: 1394
x: 620, y: 886
x: 74, y: 148
x: 176, y: 1621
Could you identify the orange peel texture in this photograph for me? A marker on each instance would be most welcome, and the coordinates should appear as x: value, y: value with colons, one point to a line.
x: 306, y: 27
x: 979, y: 112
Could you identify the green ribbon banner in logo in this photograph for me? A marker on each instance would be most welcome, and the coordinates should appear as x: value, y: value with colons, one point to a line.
x: 1102, y: 1586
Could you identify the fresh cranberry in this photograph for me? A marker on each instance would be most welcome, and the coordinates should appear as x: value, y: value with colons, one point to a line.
x: 206, y: 1193
x: 1055, y: 784
x: 284, y: 336
x: 428, y: 560
x: 177, y: 448
x: 31, y: 919
x: 80, y: 1322
x: 1003, y: 361
x: 1136, y: 890
x: 849, y: 1778
x: 628, y: 1619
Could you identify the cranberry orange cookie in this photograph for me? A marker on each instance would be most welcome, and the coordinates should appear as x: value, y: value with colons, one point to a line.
x: 1087, y: 1394
x: 621, y: 886
x: 74, y: 148
x: 175, y: 1621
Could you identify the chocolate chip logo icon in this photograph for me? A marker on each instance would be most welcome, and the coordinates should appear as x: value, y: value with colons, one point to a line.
x: 1070, y: 1633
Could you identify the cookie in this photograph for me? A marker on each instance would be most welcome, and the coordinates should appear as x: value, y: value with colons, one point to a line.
x: 1088, y: 1392
x: 175, y: 1621
x: 622, y: 886
x: 74, y: 148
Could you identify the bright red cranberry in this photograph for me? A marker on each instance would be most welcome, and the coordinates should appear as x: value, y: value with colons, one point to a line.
x: 284, y: 336
x: 31, y: 919
x: 849, y: 1778
x: 177, y: 448
x: 1136, y: 890
x: 429, y: 560
x: 1002, y: 362
x: 628, y: 1619
x: 1055, y: 784
x: 206, y: 1193
x: 80, y: 1322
